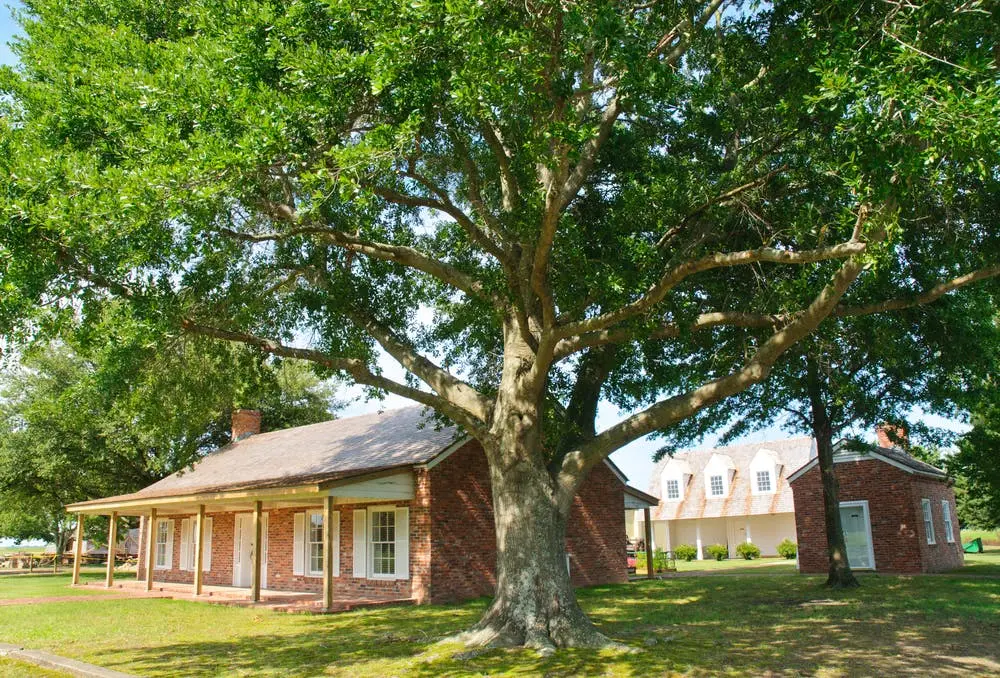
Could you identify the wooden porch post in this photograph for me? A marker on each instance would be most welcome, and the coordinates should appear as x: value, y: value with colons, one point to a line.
x: 199, y: 550
x: 78, y: 549
x: 150, y: 549
x: 257, y: 543
x: 649, y: 544
x: 112, y: 547
x: 328, y: 553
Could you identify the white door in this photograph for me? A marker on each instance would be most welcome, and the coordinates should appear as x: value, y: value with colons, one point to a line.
x: 856, y: 523
x: 243, y: 548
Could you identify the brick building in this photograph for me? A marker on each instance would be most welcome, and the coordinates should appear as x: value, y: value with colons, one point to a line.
x: 898, y: 513
x: 382, y: 506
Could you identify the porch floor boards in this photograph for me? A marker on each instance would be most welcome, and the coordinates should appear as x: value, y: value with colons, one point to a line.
x: 280, y: 601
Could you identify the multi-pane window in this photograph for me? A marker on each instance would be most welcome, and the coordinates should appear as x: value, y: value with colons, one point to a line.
x: 314, y: 547
x: 763, y: 481
x: 716, y: 486
x: 673, y: 489
x: 928, y: 521
x: 949, y: 531
x: 383, y: 531
x: 162, y: 543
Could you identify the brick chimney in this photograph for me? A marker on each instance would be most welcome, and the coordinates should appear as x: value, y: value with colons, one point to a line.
x: 245, y: 424
x: 886, y: 432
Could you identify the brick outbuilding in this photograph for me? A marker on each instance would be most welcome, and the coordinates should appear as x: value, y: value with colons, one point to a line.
x: 898, y: 513
x: 378, y: 507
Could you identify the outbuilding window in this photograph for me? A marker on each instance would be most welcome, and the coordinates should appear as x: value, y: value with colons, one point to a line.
x: 763, y: 481
x: 928, y: 521
x: 949, y: 530
x: 716, y: 486
x: 673, y: 489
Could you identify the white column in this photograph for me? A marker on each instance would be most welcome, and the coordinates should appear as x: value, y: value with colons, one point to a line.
x: 697, y: 539
x: 666, y: 530
x: 749, y: 540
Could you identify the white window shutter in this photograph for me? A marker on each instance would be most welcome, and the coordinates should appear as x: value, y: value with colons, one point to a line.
x: 360, y: 568
x: 170, y: 545
x: 335, y: 550
x: 185, y: 544
x: 299, y: 544
x: 206, y: 552
x: 402, y: 543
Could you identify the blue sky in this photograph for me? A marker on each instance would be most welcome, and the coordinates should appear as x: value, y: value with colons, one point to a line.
x: 8, y: 29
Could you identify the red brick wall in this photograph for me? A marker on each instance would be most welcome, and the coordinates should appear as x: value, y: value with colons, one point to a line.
x: 894, y: 507
x: 463, y: 536
x: 942, y: 555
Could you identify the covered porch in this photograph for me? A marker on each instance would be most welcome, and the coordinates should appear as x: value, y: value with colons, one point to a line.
x: 237, y: 572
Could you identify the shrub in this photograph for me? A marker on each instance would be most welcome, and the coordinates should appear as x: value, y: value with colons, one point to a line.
x: 788, y: 548
x: 659, y: 561
x: 718, y: 551
x: 748, y: 551
x: 686, y: 552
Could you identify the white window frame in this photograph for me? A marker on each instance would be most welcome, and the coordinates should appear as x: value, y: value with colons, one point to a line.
x: 308, y: 543
x: 676, y: 486
x: 949, y: 526
x: 925, y: 506
x: 722, y: 485
x: 167, y: 544
x: 764, y: 474
x: 370, y: 542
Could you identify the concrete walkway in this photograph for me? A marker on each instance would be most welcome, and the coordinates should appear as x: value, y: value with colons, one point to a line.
x: 51, y: 661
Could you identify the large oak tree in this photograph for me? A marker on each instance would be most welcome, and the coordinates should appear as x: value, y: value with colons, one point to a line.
x: 528, y: 205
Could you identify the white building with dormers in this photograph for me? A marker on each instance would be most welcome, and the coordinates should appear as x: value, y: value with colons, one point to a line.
x: 726, y: 495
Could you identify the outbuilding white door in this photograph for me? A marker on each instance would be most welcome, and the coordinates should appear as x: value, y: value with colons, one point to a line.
x: 243, y: 547
x: 857, y: 526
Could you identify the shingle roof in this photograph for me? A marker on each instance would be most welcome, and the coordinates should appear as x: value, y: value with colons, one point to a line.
x: 313, y: 453
x: 791, y: 453
x: 894, y: 454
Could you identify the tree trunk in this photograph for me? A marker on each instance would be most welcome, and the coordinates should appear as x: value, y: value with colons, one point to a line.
x: 535, y: 604
x: 840, y: 575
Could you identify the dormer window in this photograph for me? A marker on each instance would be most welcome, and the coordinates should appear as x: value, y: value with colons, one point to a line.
x: 674, y: 479
x: 764, y: 472
x: 720, y: 472
x: 763, y: 482
x: 673, y: 489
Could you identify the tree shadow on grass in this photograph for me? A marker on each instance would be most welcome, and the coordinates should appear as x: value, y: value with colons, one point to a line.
x: 891, y: 626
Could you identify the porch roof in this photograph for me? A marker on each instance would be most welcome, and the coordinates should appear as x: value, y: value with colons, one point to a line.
x: 301, y: 460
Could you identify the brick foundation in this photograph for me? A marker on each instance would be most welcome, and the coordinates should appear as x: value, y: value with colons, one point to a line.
x: 893, y: 497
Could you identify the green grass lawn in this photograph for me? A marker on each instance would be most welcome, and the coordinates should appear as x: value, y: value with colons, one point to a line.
x: 987, y: 562
x: 733, y: 625
x: 45, y: 585
x: 12, y: 668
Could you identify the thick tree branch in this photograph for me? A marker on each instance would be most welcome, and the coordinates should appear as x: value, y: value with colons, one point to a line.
x: 927, y: 297
x: 704, y: 321
x: 440, y: 380
x: 407, y: 256
x: 510, y: 192
x: 676, y: 275
x: 358, y: 370
x: 667, y: 412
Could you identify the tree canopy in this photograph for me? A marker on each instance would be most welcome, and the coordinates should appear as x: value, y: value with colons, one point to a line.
x: 529, y: 205
x: 79, y: 424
